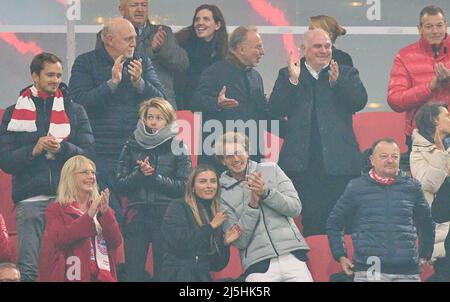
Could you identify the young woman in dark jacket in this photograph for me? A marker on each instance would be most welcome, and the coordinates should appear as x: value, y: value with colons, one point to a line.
x: 152, y: 172
x: 206, y: 42
x: 192, y: 230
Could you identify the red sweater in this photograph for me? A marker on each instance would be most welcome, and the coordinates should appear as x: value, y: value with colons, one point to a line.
x: 413, y: 70
x: 68, y: 234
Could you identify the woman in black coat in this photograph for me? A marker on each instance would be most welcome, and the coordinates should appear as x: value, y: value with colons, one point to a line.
x: 153, y: 169
x: 206, y: 42
x: 192, y: 229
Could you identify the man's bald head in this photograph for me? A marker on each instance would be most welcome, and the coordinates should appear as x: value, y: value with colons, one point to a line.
x: 316, y: 48
x: 119, y: 37
x: 312, y: 33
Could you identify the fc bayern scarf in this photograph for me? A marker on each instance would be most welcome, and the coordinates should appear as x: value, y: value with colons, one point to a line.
x: 24, y: 114
x: 384, y: 181
x: 99, y: 265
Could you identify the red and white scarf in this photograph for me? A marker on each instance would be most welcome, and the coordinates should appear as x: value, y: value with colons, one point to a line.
x: 99, y: 265
x: 384, y: 181
x: 24, y: 115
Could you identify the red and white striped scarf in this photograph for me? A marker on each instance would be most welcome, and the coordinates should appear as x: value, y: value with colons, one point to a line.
x: 24, y: 115
x: 384, y: 181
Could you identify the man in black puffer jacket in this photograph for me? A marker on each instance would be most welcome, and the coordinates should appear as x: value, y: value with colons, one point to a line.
x: 38, y: 134
x: 387, y: 211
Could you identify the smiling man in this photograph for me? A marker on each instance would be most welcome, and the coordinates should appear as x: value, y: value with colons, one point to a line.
x: 318, y: 98
x: 156, y: 42
x: 387, y: 210
x: 231, y: 90
x: 38, y: 134
x: 421, y: 71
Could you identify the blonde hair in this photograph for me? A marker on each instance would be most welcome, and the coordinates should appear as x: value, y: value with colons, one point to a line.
x: 229, y: 138
x: 67, y: 190
x: 162, y: 105
x: 190, y: 197
x: 328, y: 24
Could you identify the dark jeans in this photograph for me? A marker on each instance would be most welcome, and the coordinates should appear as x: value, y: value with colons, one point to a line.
x: 318, y: 194
x: 30, y: 226
x: 143, y: 225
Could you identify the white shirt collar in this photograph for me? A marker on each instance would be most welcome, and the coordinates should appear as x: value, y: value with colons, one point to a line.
x: 314, y: 73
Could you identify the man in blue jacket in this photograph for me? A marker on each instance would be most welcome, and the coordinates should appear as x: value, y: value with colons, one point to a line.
x: 110, y: 82
x: 387, y: 211
x: 38, y: 134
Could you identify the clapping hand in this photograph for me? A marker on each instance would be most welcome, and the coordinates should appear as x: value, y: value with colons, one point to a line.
x: 145, y: 166
x: 442, y: 73
x: 218, y: 219
x: 135, y: 70
x: 158, y: 39
x: 294, y: 69
x: 116, y: 72
x: 231, y: 234
x: 101, y: 204
x: 333, y: 73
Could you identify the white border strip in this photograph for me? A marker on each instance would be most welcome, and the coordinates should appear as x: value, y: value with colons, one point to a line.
x: 270, y: 30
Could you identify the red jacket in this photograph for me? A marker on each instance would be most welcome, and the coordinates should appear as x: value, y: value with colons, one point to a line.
x: 413, y: 70
x: 68, y: 234
x: 5, y: 250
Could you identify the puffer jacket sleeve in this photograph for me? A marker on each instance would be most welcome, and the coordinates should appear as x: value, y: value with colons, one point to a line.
x: 81, y: 142
x: 175, y: 185
x: 153, y: 87
x: 247, y: 221
x: 284, y: 199
x: 424, y: 223
x: 128, y: 175
x: 83, y: 88
x: 220, y: 261
x: 14, y: 156
x: 402, y: 95
x: 429, y: 168
x: 178, y: 232
x: 343, y: 211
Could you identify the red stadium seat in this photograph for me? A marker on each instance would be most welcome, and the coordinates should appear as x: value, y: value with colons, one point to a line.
x: 7, y: 207
x: 370, y: 126
x: 321, y: 263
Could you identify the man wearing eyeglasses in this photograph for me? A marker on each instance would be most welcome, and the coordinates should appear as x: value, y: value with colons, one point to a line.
x: 421, y: 71
x: 156, y: 42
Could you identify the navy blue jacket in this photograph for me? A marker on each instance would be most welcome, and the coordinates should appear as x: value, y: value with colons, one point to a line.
x: 113, y: 114
x: 385, y: 222
x: 33, y: 176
